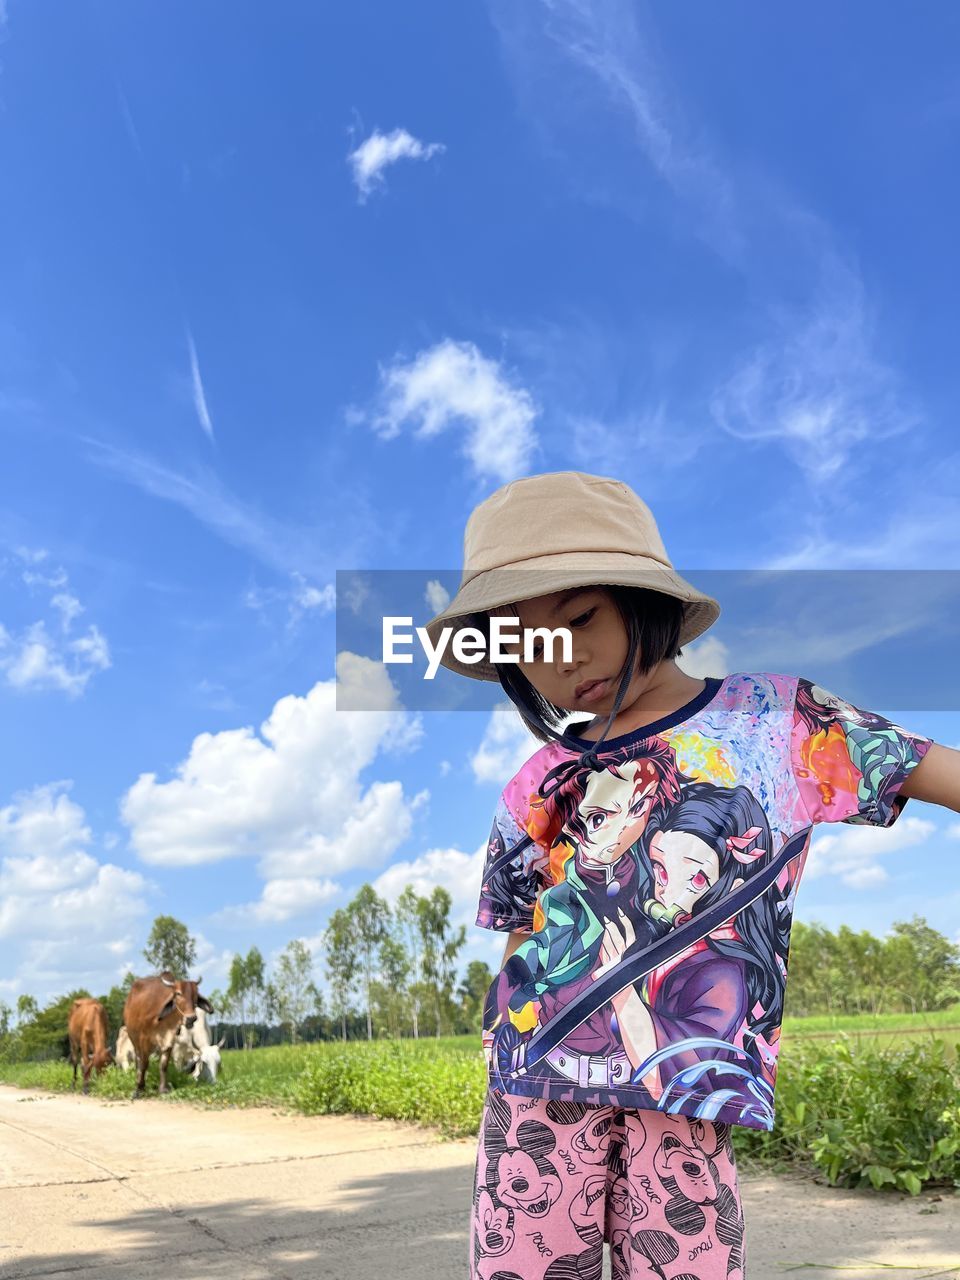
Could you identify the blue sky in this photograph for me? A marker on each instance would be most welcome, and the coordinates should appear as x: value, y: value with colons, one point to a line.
x: 290, y: 291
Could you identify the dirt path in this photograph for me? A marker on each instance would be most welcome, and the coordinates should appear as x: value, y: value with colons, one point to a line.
x: 136, y: 1191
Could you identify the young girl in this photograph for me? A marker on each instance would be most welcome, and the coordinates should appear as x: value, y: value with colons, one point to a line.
x: 645, y: 862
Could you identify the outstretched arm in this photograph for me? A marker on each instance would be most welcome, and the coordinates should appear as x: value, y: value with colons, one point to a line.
x: 936, y: 778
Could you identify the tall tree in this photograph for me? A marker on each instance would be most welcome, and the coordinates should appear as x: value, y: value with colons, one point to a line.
x: 440, y: 948
x: 256, y: 989
x: 170, y: 946
x: 237, y: 994
x: 935, y: 973
x: 370, y: 917
x: 27, y: 1009
x: 342, y: 963
x: 407, y: 917
x: 294, y: 989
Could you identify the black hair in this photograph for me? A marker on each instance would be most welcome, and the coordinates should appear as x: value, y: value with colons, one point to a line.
x: 651, y: 617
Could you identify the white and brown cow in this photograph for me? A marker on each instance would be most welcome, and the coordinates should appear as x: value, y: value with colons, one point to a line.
x: 153, y: 1013
x: 193, y: 1051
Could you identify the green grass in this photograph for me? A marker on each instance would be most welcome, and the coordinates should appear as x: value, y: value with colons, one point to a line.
x: 848, y: 1106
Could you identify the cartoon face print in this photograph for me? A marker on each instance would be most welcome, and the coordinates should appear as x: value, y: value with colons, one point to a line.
x: 581, y: 1215
x: 828, y: 699
x: 495, y: 1233
x: 689, y: 1168
x: 525, y: 1179
x: 592, y: 1141
x: 684, y: 868
x: 615, y: 810
x: 626, y: 1201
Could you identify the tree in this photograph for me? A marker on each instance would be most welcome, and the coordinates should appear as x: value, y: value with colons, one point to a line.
x: 293, y: 991
x: 342, y: 963
x: 440, y: 951
x: 369, y: 915
x: 407, y: 916
x: 27, y: 1009
x: 256, y: 988
x: 114, y: 1001
x: 935, y: 973
x: 246, y: 991
x: 170, y: 946
x: 473, y: 990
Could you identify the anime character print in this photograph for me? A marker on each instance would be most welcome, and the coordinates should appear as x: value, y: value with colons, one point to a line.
x: 850, y: 763
x: 641, y: 849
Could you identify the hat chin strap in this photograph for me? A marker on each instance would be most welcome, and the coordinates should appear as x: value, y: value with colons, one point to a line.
x: 585, y: 759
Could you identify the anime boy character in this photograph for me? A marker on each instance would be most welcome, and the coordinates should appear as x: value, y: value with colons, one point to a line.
x: 594, y: 860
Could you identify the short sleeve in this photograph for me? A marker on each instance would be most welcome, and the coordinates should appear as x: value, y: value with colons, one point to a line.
x: 512, y: 879
x: 849, y: 764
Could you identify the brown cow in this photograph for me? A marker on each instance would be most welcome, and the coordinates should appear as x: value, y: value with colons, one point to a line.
x: 153, y: 1012
x: 89, y: 1033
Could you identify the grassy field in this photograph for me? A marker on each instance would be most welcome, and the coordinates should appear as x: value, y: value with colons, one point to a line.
x: 845, y: 1101
x: 434, y: 1081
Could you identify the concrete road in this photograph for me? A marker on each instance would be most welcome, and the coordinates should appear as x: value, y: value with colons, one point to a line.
x: 103, y: 1190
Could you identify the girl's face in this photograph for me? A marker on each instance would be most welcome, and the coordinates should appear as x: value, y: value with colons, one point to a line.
x: 684, y: 868
x: 598, y: 651
x: 615, y: 810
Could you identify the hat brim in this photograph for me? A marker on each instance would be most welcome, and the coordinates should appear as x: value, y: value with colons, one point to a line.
x: 543, y: 575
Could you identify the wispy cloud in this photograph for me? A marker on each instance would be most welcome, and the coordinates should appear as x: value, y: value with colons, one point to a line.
x: 41, y: 656
x: 199, y: 395
x: 453, y: 385
x: 355, y: 530
x: 615, y: 49
x: 126, y: 115
x: 816, y: 386
x: 380, y: 150
x: 205, y: 497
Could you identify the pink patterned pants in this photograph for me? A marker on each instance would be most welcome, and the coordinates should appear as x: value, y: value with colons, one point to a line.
x: 554, y: 1180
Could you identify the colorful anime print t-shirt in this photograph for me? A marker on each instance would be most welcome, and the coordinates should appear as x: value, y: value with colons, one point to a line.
x: 658, y: 889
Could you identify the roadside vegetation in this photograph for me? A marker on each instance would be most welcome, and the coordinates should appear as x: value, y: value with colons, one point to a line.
x: 868, y: 1084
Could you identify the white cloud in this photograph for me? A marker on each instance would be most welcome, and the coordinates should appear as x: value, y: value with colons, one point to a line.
x: 43, y: 822
x: 506, y: 745
x: 457, y: 872
x: 281, y: 900
x: 707, y: 656
x: 436, y: 596
x: 453, y: 383
x: 199, y: 395
x: 380, y: 150
x: 291, y: 795
x: 69, y: 607
x: 65, y: 917
x: 35, y: 658
x: 853, y: 852
x: 612, y: 45
x: 816, y: 386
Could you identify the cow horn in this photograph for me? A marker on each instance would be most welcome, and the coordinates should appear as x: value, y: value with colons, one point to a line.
x: 221, y: 1042
x: 166, y: 981
x: 199, y: 980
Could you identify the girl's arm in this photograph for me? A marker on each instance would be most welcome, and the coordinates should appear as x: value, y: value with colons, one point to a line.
x: 936, y: 778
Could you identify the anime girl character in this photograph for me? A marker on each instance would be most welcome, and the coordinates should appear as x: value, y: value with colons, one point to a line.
x: 694, y: 854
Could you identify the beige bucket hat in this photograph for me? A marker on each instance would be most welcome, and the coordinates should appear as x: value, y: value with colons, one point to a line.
x: 544, y: 533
